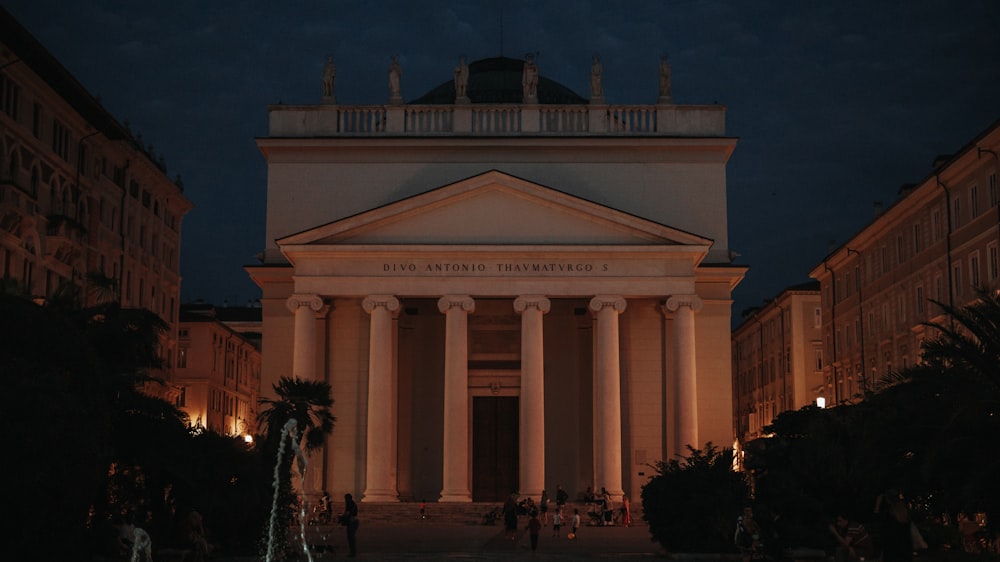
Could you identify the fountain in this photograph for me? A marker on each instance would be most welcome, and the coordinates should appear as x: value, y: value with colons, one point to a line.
x: 142, y: 547
x: 288, y: 431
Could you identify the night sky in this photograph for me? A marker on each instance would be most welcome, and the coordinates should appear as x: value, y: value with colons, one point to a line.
x: 836, y: 104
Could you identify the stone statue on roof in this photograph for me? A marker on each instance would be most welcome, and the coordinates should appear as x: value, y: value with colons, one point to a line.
x: 529, y: 79
x: 395, y: 74
x: 664, y: 80
x: 461, y: 80
x: 596, y: 91
x: 329, y: 78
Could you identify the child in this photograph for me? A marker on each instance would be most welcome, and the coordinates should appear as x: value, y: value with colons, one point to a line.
x: 576, y: 520
x: 534, y: 526
x: 556, y: 522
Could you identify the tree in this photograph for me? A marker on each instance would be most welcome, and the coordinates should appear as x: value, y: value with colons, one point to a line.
x: 692, y: 505
x: 957, y: 387
x: 308, y: 403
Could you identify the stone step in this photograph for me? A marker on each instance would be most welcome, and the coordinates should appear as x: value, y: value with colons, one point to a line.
x: 472, y: 513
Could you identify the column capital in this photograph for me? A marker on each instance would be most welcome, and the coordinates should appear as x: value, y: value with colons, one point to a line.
x: 693, y: 302
x: 615, y: 302
x: 300, y: 300
x: 388, y: 302
x: 525, y: 302
x: 463, y: 302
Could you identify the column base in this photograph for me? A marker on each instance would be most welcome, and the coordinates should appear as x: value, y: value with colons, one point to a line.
x: 455, y: 496
x: 382, y: 496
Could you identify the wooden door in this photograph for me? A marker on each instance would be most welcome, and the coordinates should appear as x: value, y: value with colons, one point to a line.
x: 494, y: 447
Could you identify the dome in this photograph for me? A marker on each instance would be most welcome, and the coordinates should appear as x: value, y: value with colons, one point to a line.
x: 498, y: 80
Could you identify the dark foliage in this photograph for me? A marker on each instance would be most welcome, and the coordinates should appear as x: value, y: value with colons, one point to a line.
x: 89, y: 445
x: 928, y: 431
x: 692, y: 505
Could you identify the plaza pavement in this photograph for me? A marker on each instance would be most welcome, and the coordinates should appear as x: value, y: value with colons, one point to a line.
x: 424, y: 539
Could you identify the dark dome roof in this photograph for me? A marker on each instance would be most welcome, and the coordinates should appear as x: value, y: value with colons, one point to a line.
x: 498, y: 80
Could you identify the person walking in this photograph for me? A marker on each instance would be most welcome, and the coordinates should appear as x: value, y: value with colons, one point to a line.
x: 534, y: 527
x: 349, y: 519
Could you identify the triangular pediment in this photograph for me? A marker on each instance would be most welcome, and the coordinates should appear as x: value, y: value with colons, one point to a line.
x: 494, y: 208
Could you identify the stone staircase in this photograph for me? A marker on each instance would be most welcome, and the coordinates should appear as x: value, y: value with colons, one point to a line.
x: 458, y: 513
x: 399, y: 512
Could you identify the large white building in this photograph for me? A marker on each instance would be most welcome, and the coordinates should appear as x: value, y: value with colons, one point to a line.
x: 507, y: 290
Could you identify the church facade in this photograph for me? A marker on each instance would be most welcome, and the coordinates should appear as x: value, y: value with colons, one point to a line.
x: 507, y: 286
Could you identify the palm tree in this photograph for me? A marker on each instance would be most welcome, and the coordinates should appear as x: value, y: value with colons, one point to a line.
x: 956, y: 389
x: 308, y: 403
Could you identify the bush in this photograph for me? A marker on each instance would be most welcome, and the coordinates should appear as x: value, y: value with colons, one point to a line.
x: 692, y: 505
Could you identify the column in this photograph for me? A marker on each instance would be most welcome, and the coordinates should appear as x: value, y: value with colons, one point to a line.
x: 381, y: 460
x: 531, y: 472
x: 607, y: 395
x: 305, y: 308
x: 456, y: 397
x: 683, y: 308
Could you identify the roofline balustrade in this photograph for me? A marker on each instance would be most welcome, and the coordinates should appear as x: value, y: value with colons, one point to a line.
x: 496, y: 120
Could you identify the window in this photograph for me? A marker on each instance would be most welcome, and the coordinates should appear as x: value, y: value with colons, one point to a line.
x: 956, y: 277
x: 919, y: 304
x: 817, y: 317
x: 819, y: 359
x: 36, y: 120
x: 994, y: 265
x: 993, y: 189
x: 956, y: 212
x: 60, y: 139
x: 182, y: 358
x: 936, y: 224
x: 916, y: 239
x: 81, y: 159
x: 899, y: 249
x: 939, y: 288
x: 884, y: 254
x: 974, y: 201
x: 974, y: 270
x: 10, y: 94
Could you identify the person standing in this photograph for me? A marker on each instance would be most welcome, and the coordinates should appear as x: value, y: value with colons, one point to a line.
x: 894, y: 521
x: 576, y: 522
x: 510, y: 516
x: 561, y: 496
x: 543, y: 508
x: 607, y: 507
x: 556, y: 522
x: 626, y: 512
x: 534, y: 527
x: 349, y: 519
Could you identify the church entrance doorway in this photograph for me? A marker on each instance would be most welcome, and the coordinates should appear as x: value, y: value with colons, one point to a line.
x: 494, y: 447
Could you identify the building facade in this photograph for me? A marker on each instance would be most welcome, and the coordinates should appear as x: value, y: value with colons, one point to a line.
x: 777, y: 360
x: 218, y: 368
x: 936, y: 243
x: 84, y: 206
x: 508, y: 286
